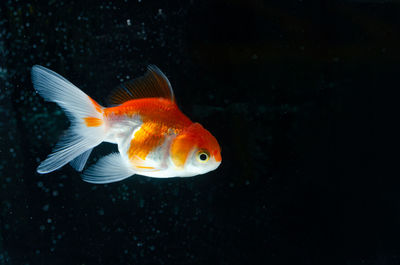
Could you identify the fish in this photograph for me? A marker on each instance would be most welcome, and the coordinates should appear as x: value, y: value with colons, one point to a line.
x: 154, y: 138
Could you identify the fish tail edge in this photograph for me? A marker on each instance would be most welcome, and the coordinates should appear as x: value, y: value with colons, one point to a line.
x: 87, y: 128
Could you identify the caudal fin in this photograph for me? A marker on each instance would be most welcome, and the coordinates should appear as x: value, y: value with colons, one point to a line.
x: 87, y: 125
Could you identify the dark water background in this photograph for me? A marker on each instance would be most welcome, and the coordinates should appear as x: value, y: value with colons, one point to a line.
x: 290, y: 89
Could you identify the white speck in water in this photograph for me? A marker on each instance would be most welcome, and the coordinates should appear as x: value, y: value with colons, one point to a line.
x: 128, y: 22
x: 100, y: 211
x: 45, y: 207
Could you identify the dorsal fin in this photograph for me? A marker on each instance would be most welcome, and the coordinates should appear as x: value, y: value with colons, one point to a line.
x: 154, y: 84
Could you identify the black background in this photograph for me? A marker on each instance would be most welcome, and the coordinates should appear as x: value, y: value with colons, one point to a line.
x: 291, y: 89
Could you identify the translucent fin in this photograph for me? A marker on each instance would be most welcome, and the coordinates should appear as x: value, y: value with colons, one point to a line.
x: 154, y: 84
x: 55, y: 88
x: 69, y: 147
x: 87, y: 129
x: 79, y: 162
x: 110, y: 168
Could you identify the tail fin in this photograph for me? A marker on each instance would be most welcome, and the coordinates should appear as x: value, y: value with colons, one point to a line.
x: 87, y: 125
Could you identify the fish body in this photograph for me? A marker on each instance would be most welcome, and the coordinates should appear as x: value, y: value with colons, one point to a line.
x: 154, y: 137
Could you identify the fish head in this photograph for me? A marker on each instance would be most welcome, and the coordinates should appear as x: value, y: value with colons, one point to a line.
x: 195, y: 151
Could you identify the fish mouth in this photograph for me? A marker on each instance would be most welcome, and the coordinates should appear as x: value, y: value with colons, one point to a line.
x: 216, y: 163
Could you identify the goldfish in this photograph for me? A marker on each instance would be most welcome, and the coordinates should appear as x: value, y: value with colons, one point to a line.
x: 154, y: 138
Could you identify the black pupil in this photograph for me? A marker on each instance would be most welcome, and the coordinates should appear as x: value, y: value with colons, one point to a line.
x: 203, y: 157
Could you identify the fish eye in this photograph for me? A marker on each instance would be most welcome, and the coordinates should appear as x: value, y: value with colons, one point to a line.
x: 202, y: 156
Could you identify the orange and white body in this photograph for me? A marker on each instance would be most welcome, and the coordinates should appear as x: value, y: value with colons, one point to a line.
x: 154, y: 137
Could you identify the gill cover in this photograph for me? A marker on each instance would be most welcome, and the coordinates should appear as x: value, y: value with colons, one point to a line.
x: 180, y: 149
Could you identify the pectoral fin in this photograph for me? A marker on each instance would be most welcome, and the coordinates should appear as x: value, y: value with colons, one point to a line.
x: 108, y: 169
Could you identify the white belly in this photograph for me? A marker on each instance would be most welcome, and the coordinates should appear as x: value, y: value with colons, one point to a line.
x: 122, y: 131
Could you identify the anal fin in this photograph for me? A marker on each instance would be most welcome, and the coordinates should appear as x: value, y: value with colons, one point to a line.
x: 108, y: 169
x: 78, y: 163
